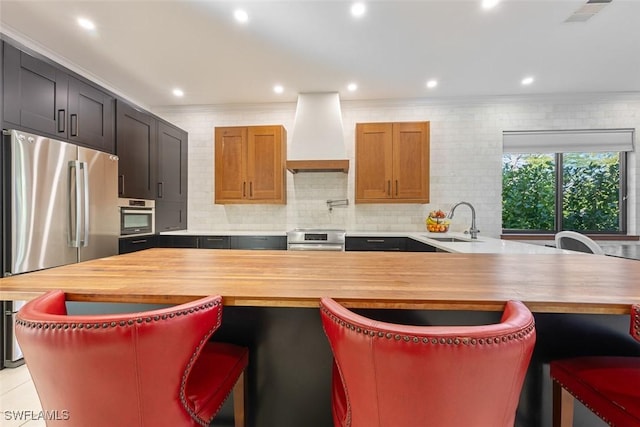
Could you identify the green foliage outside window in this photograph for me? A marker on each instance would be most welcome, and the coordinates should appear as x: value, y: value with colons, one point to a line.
x: 590, y: 192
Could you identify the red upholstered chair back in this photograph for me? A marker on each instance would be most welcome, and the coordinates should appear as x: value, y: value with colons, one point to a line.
x: 85, y: 366
x: 389, y: 375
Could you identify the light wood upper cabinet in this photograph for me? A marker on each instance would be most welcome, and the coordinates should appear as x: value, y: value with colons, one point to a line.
x: 250, y: 165
x: 392, y: 162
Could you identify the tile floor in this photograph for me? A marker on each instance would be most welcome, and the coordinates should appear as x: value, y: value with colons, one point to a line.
x: 19, y: 404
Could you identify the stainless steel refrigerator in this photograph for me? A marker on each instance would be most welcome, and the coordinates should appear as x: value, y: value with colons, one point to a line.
x: 60, y: 207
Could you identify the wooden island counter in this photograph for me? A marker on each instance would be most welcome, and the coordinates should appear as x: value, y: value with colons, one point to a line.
x: 271, y: 300
x: 577, y: 283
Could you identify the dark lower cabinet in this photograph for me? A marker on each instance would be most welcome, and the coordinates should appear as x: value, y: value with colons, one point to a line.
x: 415, y: 246
x: 375, y: 243
x: 258, y: 242
x: 389, y: 244
x: 177, y: 241
x: 214, y: 242
x: 133, y: 244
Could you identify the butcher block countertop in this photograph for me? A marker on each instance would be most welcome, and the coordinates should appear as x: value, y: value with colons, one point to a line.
x: 568, y: 283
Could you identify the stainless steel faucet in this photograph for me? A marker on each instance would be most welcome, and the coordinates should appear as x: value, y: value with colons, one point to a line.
x: 473, y: 231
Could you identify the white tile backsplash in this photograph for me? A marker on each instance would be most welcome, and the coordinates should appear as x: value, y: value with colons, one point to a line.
x: 466, y: 150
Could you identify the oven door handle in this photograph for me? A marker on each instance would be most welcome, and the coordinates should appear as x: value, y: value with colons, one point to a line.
x: 136, y: 211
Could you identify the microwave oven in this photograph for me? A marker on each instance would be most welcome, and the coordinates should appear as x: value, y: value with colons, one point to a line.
x: 137, y: 217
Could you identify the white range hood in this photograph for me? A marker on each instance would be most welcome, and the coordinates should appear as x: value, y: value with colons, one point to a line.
x: 317, y: 143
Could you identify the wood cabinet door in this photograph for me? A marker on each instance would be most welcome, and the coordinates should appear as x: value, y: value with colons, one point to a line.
x: 34, y: 94
x: 373, y: 161
x: 90, y: 116
x: 266, y: 164
x: 136, y: 148
x: 230, y: 164
x: 411, y: 162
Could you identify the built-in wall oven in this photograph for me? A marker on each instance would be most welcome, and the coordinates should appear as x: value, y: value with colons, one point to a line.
x: 137, y: 217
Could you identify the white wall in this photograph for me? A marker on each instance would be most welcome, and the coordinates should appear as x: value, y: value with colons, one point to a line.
x: 466, y: 150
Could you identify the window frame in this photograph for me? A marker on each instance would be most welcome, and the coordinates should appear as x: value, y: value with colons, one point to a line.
x: 559, y: 197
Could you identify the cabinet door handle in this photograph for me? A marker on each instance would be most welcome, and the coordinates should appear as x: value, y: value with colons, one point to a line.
x: 137, y: 242
x: 396, y: 187
x: 244, y: 189
x: 214, y: 239
x: 389, y: 187
x: 74, y: 125
x: 62, y: 120
x: 375, y: 240
x: 160, y: 190
x: 120, y: 184
x: 250, y: 189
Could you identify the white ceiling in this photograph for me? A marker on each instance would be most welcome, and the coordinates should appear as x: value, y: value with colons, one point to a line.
x: 143, y: 49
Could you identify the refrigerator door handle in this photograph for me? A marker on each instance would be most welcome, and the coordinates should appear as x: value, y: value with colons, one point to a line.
x: 85, y: 192
x: 75, y: 206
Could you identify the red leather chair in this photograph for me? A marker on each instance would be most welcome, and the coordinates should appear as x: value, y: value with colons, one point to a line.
x: 608, y: 385
x: 155, y: 368
x: 389, y: 375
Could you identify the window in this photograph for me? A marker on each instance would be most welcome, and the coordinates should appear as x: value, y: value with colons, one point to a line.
x: 548, y: 191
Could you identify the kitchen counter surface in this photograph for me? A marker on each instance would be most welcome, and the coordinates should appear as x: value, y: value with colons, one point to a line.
x: 483, y: 245
x: 571, y: 283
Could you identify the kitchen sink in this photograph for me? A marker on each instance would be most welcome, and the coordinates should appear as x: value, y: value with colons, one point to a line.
x: 452, y: 239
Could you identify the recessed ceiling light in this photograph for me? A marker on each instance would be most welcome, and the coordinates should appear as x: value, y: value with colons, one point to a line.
x: 489, y: 4
x: 241, y: 15
x: 278, y: 89
x: 527, y: 81
x: 178, y: 92
x: 86, y: 24
x: 432, y: 83
x: 352, y: 87
x: 358, y: 9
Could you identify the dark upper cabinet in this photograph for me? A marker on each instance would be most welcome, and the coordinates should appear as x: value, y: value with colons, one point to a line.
x: 90, y: 116
x: 41, y: 98
x: 171, y: 187
x: 35, y: 94
x: 136, y: 144
x: 172, y: 163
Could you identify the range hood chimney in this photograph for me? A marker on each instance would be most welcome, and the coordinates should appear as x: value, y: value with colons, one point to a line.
x: 317, y: 143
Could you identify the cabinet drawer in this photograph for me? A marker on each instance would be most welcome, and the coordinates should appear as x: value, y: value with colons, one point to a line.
x: 177, y: 241
x: 259, y: 242
x: 213, y: 242
x: 133, y: 244
x: 375, y: 243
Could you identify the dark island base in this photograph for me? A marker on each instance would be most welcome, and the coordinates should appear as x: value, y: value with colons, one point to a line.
x: 290, y: 359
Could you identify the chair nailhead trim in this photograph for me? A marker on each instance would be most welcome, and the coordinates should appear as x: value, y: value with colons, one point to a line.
x: 98, y: 325
x: 585, y: 404
x: 426, y: 339
x: 185, y: 374
x: 635, y: 321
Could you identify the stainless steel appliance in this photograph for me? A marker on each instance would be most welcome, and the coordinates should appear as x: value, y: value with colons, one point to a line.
x: 12, y: 353
x: 309, y: 239
x: 60, y: 206
x: 137, y: 217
